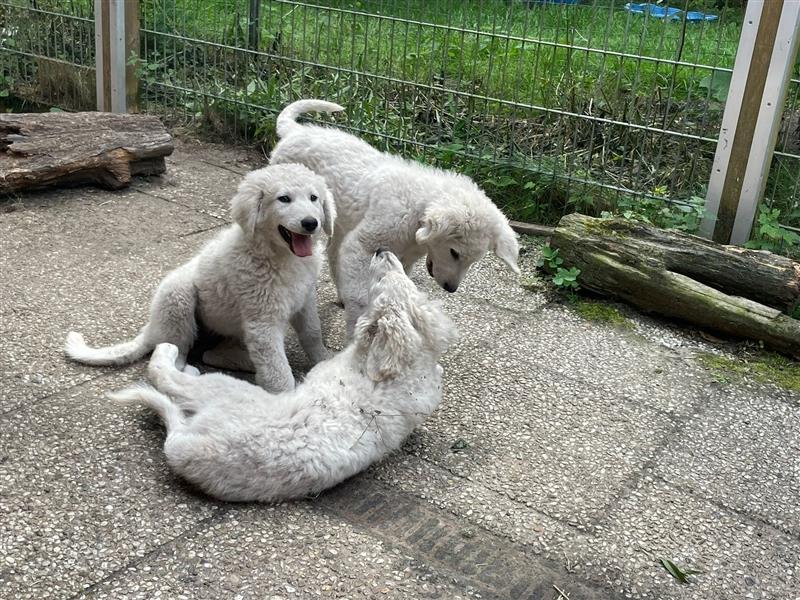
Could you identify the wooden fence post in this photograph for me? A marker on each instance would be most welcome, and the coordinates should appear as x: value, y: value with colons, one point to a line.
x: 750, y: 123
x: 116, y: 39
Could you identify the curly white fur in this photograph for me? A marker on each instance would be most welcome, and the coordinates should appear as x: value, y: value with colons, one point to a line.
x: 248, y: 283
x: 385, y: 201
x: 239, y: 443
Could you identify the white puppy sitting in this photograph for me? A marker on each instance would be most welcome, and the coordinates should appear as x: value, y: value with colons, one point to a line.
x: 238, y: 443
x: 385, y: 201
x: 247, y: 284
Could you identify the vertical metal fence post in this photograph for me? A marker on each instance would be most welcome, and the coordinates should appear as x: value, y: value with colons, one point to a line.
x: 254, y: 25
x: 116, y: 37
x: 751, y: 119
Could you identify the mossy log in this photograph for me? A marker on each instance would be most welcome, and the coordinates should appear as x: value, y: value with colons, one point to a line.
x: 57, y: 149
x: 744, y: 293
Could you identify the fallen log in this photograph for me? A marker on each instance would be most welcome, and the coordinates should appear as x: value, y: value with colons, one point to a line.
x: 531, y: 229
x: 46, y: 149
x: 744, y: 293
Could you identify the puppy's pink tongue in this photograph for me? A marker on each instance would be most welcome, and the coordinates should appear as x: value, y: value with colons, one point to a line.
x: 301, y: 244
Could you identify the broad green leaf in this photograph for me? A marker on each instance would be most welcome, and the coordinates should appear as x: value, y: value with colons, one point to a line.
x: 718, y: 84
x: 677, y: 572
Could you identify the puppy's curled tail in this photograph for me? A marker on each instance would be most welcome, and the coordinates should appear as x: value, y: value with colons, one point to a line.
x: 169, y: 412
x: 287, y: 120
x: 121, y: 354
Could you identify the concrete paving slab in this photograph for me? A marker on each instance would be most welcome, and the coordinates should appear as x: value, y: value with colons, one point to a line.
x: 90, y: 220
x: 739, y: 558
x: 614, y: 359
x: 741, y: 451
x: 286, y: 551
x: 90, y: 264
x: 84, y: 490
x: 559, y: 445
x: 476, y: 557
x: 212, y: 188
x: 475, y: 504
x: 481, y: 285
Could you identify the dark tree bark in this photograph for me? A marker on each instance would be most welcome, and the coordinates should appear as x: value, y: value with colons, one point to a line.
x: 58, y: 149
x: 745, y: 293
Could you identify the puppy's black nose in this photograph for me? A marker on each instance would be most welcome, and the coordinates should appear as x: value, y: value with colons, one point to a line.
x: 449, y: 287
x: 379, y: 251
x: 309, y: 223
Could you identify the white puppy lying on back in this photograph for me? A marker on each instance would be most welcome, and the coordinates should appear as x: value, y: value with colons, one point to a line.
x: 385, y: 201
x: 247, y: 284
x: 237, y: 442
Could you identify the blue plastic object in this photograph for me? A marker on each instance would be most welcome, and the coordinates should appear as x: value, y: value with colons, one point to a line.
x: 667, y: 12
x: 660, y: 12
x: 694, y: 15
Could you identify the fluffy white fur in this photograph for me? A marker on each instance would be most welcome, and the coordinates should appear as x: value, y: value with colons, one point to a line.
x: 385, y: 201
x: 239, y: 443
x: 247, y: 284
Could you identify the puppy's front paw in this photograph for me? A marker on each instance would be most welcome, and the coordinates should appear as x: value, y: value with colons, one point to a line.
x: 166, y: 352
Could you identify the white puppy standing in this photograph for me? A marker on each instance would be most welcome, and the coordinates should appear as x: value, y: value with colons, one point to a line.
x: 248, y: 283
x: 238, y: 443
x: 385, y: 201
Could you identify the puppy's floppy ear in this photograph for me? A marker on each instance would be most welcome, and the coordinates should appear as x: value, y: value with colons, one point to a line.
x: 329, y: 212
x: 246, y: 206
x: 432, y: 224
x: 506, y: 246
x: 436, y: 328
x: 390, y: 341
x: 425, y: 230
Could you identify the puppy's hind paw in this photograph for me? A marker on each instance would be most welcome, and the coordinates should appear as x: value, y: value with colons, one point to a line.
x: 190, y: 370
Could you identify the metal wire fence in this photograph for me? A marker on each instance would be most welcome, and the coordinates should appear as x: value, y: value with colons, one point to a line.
x: 47, y: 53
x: 552, y: 107
x: 783, y: 187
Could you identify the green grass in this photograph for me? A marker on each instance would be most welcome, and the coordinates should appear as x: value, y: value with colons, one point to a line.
x: 490, y: 63
x: 526, y: 69
x: 599, y: 312
x: 765, y: 367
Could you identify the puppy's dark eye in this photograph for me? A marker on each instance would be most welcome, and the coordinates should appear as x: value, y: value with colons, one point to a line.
x: 284, y: 199
x: 454, y: 254
x: 313, y: 198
